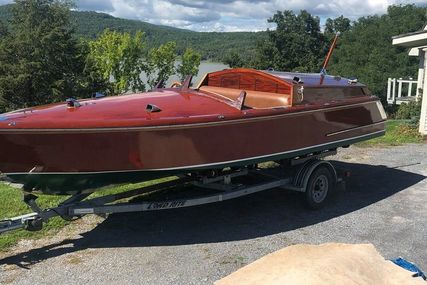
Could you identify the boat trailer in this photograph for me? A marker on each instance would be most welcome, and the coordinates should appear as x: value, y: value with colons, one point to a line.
x: 310, y: 175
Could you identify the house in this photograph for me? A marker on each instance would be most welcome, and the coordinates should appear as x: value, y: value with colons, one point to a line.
x: 417, y: 42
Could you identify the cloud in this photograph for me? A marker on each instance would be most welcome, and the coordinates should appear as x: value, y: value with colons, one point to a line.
x: 163, y: 12
x: 231, y: 15
x: 235, y: 15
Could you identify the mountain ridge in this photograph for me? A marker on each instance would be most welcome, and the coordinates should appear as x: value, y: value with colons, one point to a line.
x: 212, y: 45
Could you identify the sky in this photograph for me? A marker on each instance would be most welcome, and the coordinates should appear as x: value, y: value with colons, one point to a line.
x: 231, y: 15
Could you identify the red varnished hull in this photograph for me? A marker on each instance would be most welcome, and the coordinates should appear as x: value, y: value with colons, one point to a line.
x: 184, y: 146
x: 192, y: 131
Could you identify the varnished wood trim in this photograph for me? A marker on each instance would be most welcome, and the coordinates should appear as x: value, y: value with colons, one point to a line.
x: 183, y: 126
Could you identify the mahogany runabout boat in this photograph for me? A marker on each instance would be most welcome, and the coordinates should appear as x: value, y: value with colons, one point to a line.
x: 234, y: 117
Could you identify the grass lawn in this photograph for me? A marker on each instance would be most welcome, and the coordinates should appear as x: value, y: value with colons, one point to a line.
x: 11, y: 205
x: 397, y: 132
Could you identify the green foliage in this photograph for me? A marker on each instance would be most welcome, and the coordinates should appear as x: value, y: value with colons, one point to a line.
x: 297, y: 43
x: 233, y: 59
x: 266, y: 55
x: 122, y: 58
x: 12, y: 205
x: 410, y: 111
x: 397, y: 132
x: 39, y: 61
x: 340, y: 24
x: 363, y: 51
x: 391, y: 110
x: 161, y: 62
x: 3, y: 30
x: 190, y: 62
x: 366, y: 52
x: 91, y: 79
x: 211, y: 45
x: 119, y: 57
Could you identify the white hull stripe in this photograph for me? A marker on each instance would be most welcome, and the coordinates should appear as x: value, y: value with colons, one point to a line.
x: 201, y: 165
x: 353, y: 129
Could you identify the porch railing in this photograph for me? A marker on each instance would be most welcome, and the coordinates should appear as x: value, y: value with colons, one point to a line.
x: 402, y: 90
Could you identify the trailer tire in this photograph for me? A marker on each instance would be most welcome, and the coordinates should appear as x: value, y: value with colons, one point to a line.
x: 319, y: 186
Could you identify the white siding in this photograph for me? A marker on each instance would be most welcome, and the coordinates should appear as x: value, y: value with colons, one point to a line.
x: 423, y: 119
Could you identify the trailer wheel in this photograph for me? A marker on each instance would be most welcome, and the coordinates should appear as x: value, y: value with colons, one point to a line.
x: 319, y: 185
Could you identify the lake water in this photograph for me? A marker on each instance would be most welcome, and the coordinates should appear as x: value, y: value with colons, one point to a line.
x: 205, y: 67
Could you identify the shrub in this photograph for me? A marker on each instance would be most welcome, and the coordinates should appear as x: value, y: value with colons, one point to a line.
x: 409, y: 111
x: 391, y: 110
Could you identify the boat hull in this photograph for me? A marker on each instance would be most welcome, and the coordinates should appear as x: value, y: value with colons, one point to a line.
x: 72, y: 160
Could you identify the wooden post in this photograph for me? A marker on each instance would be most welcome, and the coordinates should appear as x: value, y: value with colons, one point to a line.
x: 399, y: 92
x: 389, y: 99
x: 394, y: 90
x: 420, y: 74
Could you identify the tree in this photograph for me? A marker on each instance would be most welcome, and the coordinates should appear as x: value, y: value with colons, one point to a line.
x: 332, y: 28
x: 266, y: 55
x: 3, y: 30
x: 38, y: 58
x: 190, y: 62
x: 366, y: 51
x: 120, y: 59
x: 91, y: 79
x: 233, y: 59
x: 297, y: 43
x: 161, y: 63
x: 340, y: 24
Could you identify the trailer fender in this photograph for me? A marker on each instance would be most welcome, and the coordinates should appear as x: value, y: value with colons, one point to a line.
x: 305, y: 171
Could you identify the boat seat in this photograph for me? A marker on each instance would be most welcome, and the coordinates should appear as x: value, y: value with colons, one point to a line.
x: 254, y: 99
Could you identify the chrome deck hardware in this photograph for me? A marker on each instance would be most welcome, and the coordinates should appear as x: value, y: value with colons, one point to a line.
x: 151, y: 108
x: 72, y: 103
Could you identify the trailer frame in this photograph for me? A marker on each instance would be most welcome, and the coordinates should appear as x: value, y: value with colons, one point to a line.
x: 295, y: 175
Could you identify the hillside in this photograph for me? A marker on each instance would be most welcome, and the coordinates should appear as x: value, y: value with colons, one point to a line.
x: 212, y: 45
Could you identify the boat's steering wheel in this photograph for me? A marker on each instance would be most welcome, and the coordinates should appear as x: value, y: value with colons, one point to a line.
x: 176, y: 84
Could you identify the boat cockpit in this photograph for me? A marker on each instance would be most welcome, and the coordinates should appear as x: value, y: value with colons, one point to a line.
x: 255, y: 89
x: 253, y: 99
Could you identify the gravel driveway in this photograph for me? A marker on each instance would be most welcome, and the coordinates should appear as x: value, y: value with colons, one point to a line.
x: 385, y: 204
